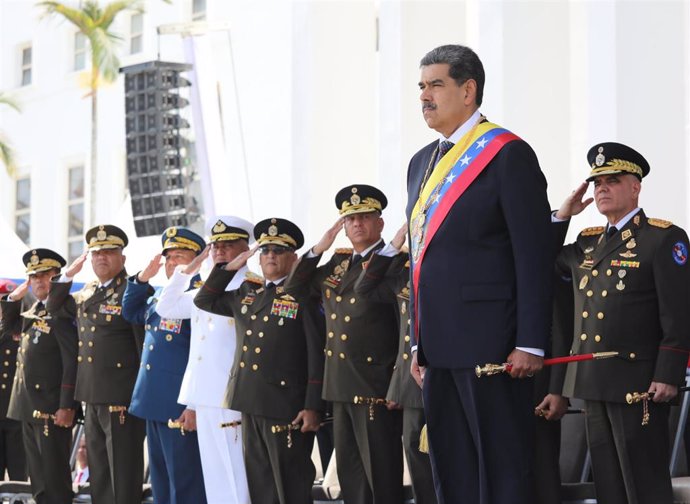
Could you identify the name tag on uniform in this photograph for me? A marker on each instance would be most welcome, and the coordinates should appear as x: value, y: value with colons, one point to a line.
x: 170, y: 325
x: 110, y: 309
x: 284, y: 308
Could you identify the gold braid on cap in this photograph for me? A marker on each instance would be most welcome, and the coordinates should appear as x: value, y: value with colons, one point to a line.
x: 42, y: 265
x: 177, y: 242
x: 229, y: 237
x: 619, y: 165
x: 111, y: 241
x: 281, y: 239
x: 367, y: 205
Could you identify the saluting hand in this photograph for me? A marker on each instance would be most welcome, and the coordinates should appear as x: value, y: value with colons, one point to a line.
x: 574, y: 204
x: 77, y: 265
x: 21, y: 290
x: 151, y: 270
x: 193, y: 267
x: 399, y: 239
x: 311, y: 420
x: 241, y: 259
x: 328, y: 238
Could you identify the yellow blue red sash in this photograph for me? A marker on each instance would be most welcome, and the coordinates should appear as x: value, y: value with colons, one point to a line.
x: 450, y: 178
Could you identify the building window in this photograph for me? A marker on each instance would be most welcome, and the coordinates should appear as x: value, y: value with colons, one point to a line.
x: 198, y: 10
x: 136, y: 33
x: 75, y: 212
x: 22, y: 209
x: 26, y: 66
x: 79, y: 51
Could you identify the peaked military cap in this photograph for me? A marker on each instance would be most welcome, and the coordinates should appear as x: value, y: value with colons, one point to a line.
x: 611, y: 158
x: 42, y: 259
x: 105, y: 236
x: 279, y: 232
x: 182, y: 238
x: 360, y: 198
x: 228, y: 228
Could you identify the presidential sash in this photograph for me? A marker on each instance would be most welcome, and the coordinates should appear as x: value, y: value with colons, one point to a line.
x: 448, y: 181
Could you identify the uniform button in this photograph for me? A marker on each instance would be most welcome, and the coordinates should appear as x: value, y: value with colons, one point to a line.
x: 338, y: 299
x: 119, y: 364
x: 94, y: 316
x: 261, y: 334
x: 604, y: 293
x: 255, y: 367
x: 597, y: 338
x: 168, y: 337
x: 4, y: 375
x: 333, y: 316
x: 583, y: 337
x: 329, y: 353
x: 632, y: 355
x: 148, y: 326
x: 253, y: 317
x: 4, y: 386
x: 242, y: 364
x: 155, y: 329
x: 341, y: 355
x: 6, y: 364
x: 93, y: 328
x: 37, y: 386
x: 347, y: 318
x: 609, y: 272
x: 405, y: 356
x: 7, y: 351
x: 282, y: 382
x: 265, y: 318
x: 90, y: 359
x: 81, y: 343
x: 330, y: 334
x: 585, y: 314
x: 257, y: 350
x: 343, y: 337
x: 600, y: 315
x: 148, y: 367
x: 407, y: 338
x: 80, y: 358
x: 249, y: 332
x: 245, y: 348
x: 82, y: 328
x: 369, y: 359
x: 595, y: 273
x: 352, y: 300
x: 90, y: 343
x: 150, y: 347
x: 590, y: 293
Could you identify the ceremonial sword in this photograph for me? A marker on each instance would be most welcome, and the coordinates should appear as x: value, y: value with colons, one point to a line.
x: 492, y: 369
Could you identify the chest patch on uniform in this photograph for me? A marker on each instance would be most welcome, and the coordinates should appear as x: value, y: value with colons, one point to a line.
x: 283, y: 308
x: 110, y: 309
x: 41, y: 326
x: 625, y: 264
x: 248, y: 299
x: 680, y: 253
x: 170, y: 325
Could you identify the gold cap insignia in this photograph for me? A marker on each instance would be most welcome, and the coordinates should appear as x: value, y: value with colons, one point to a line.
x: 34, y: 258
x: 600, y: 159
x: 273, y: 230
x: 101, y: 234
x: 219, y: 227
x: 170, y: 232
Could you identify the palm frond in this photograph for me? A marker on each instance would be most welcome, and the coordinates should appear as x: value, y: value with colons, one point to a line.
x: 104, y: 54
x: 7, y: 157
x: 75, y: 16
x: 114, y: 8
x: 10, y: 102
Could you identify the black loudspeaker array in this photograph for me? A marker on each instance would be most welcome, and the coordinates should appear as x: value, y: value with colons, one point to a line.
x: 157, y: 150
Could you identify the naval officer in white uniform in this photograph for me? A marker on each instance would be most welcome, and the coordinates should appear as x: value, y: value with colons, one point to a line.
x: 211, y: 355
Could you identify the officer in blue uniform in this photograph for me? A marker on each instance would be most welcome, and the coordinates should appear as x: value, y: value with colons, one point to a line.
x: 173, y: 448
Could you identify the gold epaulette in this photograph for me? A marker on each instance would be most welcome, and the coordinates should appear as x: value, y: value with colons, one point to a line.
x: 254, y: 278
x: 659, y: 223
x: 592, y: 231
x: 347, y: 251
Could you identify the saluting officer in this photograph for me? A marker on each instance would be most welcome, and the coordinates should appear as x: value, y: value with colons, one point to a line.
x: 361, y: 346
x: 43, y: 390
x: 277, y: 375
x: 108, y: 361
x: 387, y: 278
x: 12, y: 458
x: 631, y: 284
x: 174, y: 462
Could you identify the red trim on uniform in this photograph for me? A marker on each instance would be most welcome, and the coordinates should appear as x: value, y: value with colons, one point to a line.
x: 672, y: 349
x: 214, y: 291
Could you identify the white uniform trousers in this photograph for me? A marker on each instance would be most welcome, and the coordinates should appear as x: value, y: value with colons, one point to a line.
x: 222, y: 462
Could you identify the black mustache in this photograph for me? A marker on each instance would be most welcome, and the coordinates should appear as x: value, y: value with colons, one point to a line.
x: 428, y: 106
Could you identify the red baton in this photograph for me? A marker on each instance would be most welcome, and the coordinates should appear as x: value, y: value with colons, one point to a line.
x: 492, y: 369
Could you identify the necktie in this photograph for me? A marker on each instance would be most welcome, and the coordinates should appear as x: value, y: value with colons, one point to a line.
x: 612, y: 230
x: 356, y: 259
x: 443, y: 148
x: 270, y: 285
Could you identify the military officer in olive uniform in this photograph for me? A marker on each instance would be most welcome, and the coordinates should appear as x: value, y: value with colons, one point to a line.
x: 43, y: 390
x: 361, y: 346
x: 277, y: 375
x: 12, y: 458
x: 174, y: 462
x: 386, y: 279
x: 108, y: 361
x: 631, y: 284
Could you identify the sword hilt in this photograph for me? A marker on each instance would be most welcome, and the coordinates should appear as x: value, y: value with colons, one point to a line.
x: 491, y: 369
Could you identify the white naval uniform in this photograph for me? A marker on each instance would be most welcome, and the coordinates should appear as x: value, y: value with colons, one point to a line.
x: 211, y: 354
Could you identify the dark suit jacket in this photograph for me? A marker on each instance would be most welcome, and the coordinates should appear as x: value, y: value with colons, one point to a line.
x: 47, y: 360
x: 638, y: 308
x: 361, y: 335
x: 9, y: 345
x: 109, y: 346
x: 485, y: 283
x: 278, y: 368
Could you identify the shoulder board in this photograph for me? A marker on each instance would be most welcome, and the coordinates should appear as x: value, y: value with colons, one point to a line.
x: 254, y: 278
x: 347, y: 251
x: 592, y: 231
x: 659, y: 223
x: 198, y: 284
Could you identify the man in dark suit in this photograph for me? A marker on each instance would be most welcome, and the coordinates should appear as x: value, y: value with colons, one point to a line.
x: 107, y: 365
x: 361, y: 346
x: 43, y: 391
x: 481, y: 258
x: 277, y: 375
x: 631, y: 285
x: 174, y: 462
x: 12, y: 457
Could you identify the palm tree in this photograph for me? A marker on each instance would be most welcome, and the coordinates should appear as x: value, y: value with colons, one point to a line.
x: 6, y: 153
x: 94, y: 22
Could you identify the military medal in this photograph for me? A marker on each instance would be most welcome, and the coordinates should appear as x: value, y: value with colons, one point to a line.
x: 583, y: 282
x: 284, y: 308
x: 626, y: 234
x: 631, y: 244
x: 244, y: 309
x: 328, y: 293
x: 622, y: 273
x: 620, y: 285
x: 417, y: 235
x: 587, y: 263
